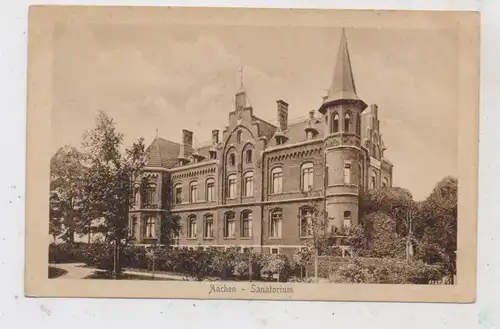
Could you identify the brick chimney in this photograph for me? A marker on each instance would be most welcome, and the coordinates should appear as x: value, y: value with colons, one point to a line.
x: 215, y: 136
x: 187, y: 144
x: 282, y: 114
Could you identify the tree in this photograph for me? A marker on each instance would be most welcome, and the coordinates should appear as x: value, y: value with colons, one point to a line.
x: 108, y: 179
x: 438, y: 213
x: 170, y: 227
x: 384, y: 240
x: 66, y: 173
x: 55, y: 218
x: 315, y: 223
x: 396, y: 202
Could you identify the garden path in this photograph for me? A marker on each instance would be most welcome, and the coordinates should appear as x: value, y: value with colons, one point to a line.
x: 75, y: 270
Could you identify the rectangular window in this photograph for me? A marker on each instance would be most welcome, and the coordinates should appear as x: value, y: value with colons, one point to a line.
x: 231, y: 186
x: 192, y: 228
x: 133, y: 229
x: 150, y: 196
x: 150, y: 228
x: 209, y: 227
x: 307, y: 176
x: 178, y: 194
x: 275, y: 251
x: 276, y: 220
x: 210, y: 191
x: 249, y: 185
x: 230, y: 225
x: 193, y: 192
x: 277, y: 180
x: 347, y: 218
x: 306, y: 223
x: 246, y: 225
x: 347, y: 173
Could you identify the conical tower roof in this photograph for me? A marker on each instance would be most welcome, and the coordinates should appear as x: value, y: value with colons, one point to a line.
x: 343, y: 88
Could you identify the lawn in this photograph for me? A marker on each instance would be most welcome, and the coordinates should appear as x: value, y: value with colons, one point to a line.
x: 107, y: 276
x: 55, y: 272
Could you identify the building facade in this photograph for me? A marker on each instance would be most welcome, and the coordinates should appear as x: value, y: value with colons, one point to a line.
x: 254, y: 184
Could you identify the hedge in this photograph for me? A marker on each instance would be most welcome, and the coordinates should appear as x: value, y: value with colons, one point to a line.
x: 198, y: 264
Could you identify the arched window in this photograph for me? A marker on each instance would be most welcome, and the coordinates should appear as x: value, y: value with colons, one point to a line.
x: 238, y: 136
x: 150, y: 227
x: 358, y: 124
x: 248, y: 184
x: 347, y: 122
x: 232, y: 159
x: 373, y: 181
x: 246, y: 224
x: 335, y: 123
x: 229, y: 225
x: 210, y: 189
x: 178, y: 194
x: 151, y: 194
x: 306, y: 222
x: 231, y: 186
x: 193, y: 192
x: 208, y: 229
x: 248, y: 156
x: 137, y: 194
x: 277, y: 180
x: 191, y: 229
x: 307, y: 176
x: 275, y: 223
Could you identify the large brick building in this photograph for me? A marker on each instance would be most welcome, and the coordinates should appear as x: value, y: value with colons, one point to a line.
x: 250, y: 186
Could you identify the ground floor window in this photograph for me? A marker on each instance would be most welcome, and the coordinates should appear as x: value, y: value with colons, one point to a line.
x: 276, y: 220
x: 208, y: 231
x: 229, y: 225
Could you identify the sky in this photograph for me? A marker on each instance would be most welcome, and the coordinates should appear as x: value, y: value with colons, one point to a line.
x: 175, y: 77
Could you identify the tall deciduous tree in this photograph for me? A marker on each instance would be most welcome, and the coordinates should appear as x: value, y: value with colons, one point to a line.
x: 108, y: 179
x: 66, y: 174
x: 438, y: 212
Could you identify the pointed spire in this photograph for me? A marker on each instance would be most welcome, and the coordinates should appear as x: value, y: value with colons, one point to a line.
x: 241, y: 99
x: 343, y: 80
x: 241, y: 78
x: 343, y: 87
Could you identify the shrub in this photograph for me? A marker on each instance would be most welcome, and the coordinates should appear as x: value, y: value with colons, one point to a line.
x: 276, y: 264
x: 66, y: 252
x: 387, y: 270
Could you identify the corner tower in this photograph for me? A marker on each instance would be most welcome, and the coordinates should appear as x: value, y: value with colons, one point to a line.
x: 345, y: 159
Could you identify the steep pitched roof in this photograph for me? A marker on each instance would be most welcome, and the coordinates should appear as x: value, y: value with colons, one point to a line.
x: 162, y: 153
x: 296, y: 129
x: 265, y: 128
x: 343, y: 86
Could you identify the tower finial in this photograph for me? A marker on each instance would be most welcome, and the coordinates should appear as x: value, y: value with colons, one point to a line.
x: 241, y: 77
x: 156, y: 132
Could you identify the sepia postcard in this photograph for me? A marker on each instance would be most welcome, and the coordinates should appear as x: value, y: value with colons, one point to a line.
x: 230, y: 153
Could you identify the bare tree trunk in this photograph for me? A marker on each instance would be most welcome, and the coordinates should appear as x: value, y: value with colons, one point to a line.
x: 89, y: 234
x: 316, y: 264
